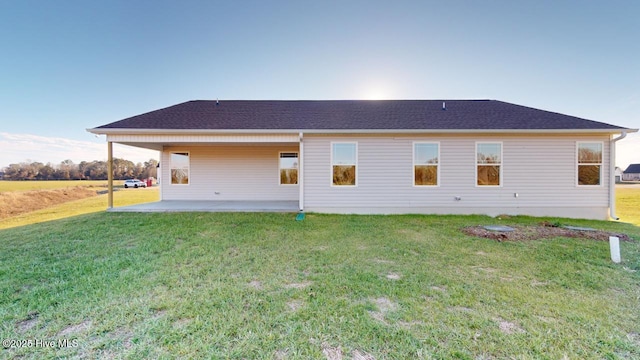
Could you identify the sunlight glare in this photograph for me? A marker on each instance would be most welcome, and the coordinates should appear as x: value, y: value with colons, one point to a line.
x: 375, y: 93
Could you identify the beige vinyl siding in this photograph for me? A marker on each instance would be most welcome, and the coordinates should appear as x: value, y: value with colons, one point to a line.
x: 237, y: 172
x: 541, y: 170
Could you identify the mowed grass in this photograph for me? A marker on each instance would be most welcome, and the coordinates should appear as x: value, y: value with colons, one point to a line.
x: 121, y: 197
x: 6, y: 185
x: 85, y: 206
x: 263, y: 286
x: 628, y: 204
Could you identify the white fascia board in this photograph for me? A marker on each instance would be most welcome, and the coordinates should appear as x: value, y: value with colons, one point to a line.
x: 354, y: 131
x: 472, y: 131
x: 189, y: 131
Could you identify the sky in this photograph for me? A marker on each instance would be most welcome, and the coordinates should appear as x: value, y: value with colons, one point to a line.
x: 68, y: 65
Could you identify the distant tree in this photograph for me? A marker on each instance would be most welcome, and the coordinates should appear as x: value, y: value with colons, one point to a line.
x: 123, y: 169
x: 97, y: 170
x: 62, y: 174
x: 31, y: 171
x: 81, y: 169
x: 12, y: 172
x: 138, y: 171
x: 46, y: 172
x: 67, y: 170
x: 150, y: 169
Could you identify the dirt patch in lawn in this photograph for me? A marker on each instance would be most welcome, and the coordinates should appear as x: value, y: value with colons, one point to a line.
x: 158, y: 313
x: 13, y: 203
x: 124, y: 336
x: 27, y: 323
x: 335, y: 353
x: 331, y: 353
x: 508, y: 327
x: 75, y: 329
x: 280, y: 354
x: 361, y: 355
x: 541, y: 231
x: 294, y: 305
x: 300, y: 285
x: 182, y: 323
x: 394, y: 276
x: 384, y: 306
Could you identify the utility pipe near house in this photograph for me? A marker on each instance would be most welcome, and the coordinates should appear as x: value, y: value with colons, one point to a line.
x: 614, y: 246
x: 612, y: 175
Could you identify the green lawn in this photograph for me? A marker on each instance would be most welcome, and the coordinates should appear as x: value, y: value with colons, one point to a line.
x: 84, y: 206
x: 6, y: 185
x: 263, y: 286
x: 628, y: 204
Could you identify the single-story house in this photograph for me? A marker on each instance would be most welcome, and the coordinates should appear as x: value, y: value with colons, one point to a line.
x: 381, y: 157
x: 618, y: 174
x: 632, y: 173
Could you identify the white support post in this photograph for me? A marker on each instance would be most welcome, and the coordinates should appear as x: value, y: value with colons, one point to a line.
x: 301, y: 173
x: 110, y: 174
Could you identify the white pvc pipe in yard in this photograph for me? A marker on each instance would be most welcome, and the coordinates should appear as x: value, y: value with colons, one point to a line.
x: 614, y: 244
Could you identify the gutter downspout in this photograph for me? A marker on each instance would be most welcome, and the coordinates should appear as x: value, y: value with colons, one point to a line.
x: 612, y: 175
x: 301, y: 173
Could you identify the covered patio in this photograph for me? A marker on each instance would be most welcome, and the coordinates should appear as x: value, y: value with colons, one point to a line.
x: 210, y: 206
x: 224, y: 172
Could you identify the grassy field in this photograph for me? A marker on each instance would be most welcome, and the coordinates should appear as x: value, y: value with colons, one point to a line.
x: 6, y: 185
x: 628, y: 204
x: 121, y: 197
x: 263, y: 286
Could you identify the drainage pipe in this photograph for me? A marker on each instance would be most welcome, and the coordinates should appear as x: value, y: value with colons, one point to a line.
x: 612, y: 175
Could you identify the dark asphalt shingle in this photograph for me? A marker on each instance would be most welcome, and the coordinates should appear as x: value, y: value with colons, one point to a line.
x: 354, y: 115
x: 633, y: 169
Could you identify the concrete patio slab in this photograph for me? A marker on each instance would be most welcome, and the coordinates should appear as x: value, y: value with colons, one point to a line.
x: 210, y: 206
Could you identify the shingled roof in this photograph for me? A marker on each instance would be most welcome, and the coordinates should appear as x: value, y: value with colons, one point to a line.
x: 633, y: 169
x: 352, y: 115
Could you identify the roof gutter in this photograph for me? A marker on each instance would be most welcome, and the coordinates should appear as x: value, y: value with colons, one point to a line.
x: 612, y: 175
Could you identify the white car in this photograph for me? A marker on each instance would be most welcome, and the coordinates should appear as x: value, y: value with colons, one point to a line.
x: 134, y: 183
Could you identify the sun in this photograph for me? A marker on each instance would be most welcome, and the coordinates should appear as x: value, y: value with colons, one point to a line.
x: 375, y: 93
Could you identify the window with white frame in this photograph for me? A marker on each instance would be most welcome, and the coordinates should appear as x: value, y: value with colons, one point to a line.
x: 179, y: 168
x: 589, y: 163
x: 344, y: 158
x: 425, y: 164
x: 489, y: 164
x: 289, y: 168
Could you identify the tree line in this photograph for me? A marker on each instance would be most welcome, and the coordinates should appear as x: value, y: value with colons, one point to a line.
x: 85, y: 170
